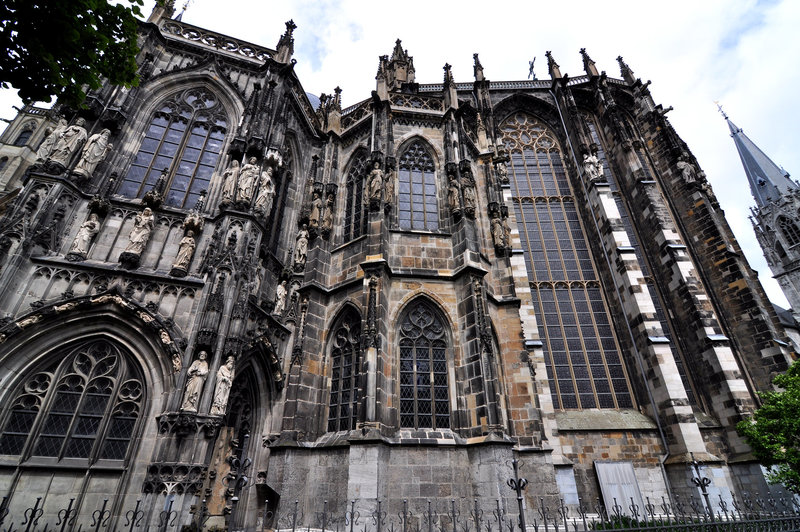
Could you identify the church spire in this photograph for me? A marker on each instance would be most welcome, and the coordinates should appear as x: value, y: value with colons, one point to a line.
x: 768, y: 181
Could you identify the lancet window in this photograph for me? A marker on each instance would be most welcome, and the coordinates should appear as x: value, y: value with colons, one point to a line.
x: 424, y: 392
x: 355, y: 218
x: 184, y: 137
x: 345, y: 361
x: 417, y: 204
x: 86, y: 405
x: 581, y: 352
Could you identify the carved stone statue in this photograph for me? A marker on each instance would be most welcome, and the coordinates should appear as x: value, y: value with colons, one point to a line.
x: 498, y: 235
x: 222, y: 388
x: 301, y: 248
x: 247, y: 181
x: 389, y: 186
x: 452, y: 194
x: 49, y: 143
x: 502, y: 173
x: 375, y: 181
x: 327, y: 218
x: 194, y: 384
x: 266, y: 192
x: 140, y: 234
x: 229, y: 181
x: 80, y: 246
x: 94, y: 151
x: 69, y: 142
x: 506, y: 232
x: 470, y: 200
x: 687, y: 169
x: 184, y: 256
x: 316, y: 211
x: 592, y: 168
x: 280, y: 297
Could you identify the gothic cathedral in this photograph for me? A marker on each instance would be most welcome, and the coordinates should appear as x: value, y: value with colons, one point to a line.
x: 220, y: 302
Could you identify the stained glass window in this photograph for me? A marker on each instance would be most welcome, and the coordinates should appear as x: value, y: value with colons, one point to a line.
x: 185, y: 137
x: 424, y: 393
x: 343, y: 407
x: 417, y: 204
x: 85, y: 405
x: 581, y: 352
x: 355, y: 218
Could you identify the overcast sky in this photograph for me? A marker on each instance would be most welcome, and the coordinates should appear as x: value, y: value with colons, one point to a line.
x: 742, y: 53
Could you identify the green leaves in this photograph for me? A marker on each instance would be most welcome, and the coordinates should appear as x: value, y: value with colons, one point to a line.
x: 774, y: 430
x: 62, y: 47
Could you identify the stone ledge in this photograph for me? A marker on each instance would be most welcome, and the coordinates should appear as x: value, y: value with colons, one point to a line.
x: 584, y: 420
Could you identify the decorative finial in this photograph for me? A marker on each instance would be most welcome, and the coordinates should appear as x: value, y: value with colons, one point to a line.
x: 477, y: 68
x: 552, y: 66
x: 448, y: 76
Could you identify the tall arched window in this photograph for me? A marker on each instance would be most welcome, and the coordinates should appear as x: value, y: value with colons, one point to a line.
x: 424, y: 396
x: 581, y: 353
x: 85, y: 406
x: 24, y: 137
x: 355, y: 219
x: 185, y: 137
x: 790, y: 231
x: 417, y: 205
x: 345, y: 355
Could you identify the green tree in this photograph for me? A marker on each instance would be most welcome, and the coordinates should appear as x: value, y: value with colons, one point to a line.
x: 59, y: 47
x: 774, y: 430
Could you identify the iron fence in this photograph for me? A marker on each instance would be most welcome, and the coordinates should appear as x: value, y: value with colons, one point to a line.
x: 746, y: 513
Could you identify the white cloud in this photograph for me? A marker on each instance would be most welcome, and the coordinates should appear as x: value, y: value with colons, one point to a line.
x: 739, y: 52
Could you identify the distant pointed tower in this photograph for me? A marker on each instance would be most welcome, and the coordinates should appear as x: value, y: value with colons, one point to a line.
x: 776, y: 216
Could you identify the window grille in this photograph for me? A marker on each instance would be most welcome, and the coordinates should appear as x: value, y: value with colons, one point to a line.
x: 86, y: 405
x: 417, y: 203
x: 424, y: 392
x: 344, y: 399
x: 185, y: 136
x: 355, y: 218
x: 581, y: 353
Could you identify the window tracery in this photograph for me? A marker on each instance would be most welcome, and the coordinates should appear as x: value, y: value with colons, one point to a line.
x: 185, y: 136
x: 86, y: 405
x: 581, y: 353
x: 789, y: 230
x: 417, y: 203
x: 345, y: 355
x: 424, y: 392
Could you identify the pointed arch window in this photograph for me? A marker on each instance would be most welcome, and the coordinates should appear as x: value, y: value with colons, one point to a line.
x: 86, y: 406
x: 790, y: 231
x: 417, y: 203
x: 185, y: 136
x: 23, y: 137
x: 582, y: 356
x: 424, y: 392
x: 355, y: 219
x: 345, y: 361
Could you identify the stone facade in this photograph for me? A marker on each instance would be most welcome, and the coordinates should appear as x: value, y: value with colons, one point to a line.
x: 412, y: 292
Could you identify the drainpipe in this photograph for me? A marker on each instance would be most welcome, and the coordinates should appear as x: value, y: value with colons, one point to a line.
x: 636, y: 352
